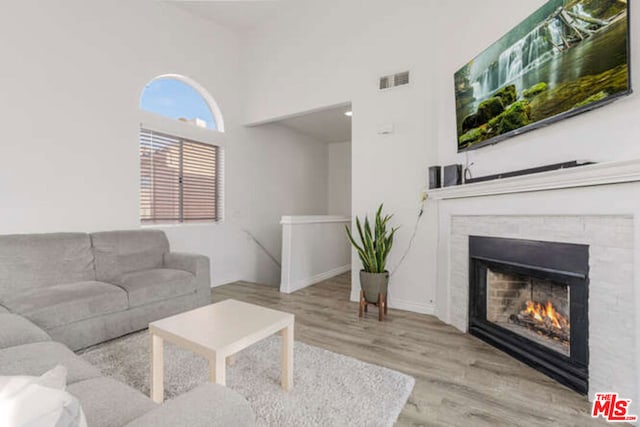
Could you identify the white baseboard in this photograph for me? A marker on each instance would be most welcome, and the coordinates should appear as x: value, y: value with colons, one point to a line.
x: 398, y: 304
x: 223, y: 281
x: 308, y: 281
x: 416, y: 307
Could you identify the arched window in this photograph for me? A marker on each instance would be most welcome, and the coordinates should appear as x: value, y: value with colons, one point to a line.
x: 181, y: 98
x: 180, y: 175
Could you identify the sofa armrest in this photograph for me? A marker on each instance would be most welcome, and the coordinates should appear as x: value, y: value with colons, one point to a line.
x: 198, y: 265
x: 207, y: 405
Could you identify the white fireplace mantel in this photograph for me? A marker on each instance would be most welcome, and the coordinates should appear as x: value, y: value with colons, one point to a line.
x: 580, y: 176
x: 595, y: 205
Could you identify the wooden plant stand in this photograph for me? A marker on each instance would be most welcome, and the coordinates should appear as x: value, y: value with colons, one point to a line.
x: 382, y: 305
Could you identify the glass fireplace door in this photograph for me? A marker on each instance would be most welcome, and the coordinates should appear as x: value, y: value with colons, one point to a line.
x: 535, y: 309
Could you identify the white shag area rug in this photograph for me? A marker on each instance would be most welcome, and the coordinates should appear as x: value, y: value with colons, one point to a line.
x: 329, y: 389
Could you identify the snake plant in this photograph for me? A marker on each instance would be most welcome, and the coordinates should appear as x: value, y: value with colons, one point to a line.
x: 375, y: 244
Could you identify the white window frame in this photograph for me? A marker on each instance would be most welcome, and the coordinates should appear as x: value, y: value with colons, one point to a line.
x: 165, y: 125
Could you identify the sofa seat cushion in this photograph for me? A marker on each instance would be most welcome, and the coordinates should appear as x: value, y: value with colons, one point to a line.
x: 37, y: 358
x: 3, y: 310
x: 16, y: 330
x: 148, y: 286
x: 107, y: 402
x: 58, y: 305
x: 208, y: 405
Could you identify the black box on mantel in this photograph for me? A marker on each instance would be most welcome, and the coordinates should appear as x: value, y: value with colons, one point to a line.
x: 434, y: 177
x: 451, y: 175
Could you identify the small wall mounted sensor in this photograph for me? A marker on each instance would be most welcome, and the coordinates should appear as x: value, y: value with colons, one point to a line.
x: 385, y: 129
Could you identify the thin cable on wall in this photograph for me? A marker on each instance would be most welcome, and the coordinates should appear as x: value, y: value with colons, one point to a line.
x: 261, y: 246
x: 413, y: 237
x: 467, y: 175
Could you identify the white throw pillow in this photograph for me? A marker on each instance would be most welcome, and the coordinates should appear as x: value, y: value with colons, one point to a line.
x: 39, y: 401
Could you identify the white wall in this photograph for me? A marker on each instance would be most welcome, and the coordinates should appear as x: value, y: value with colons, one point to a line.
x: 270, y: 171
x: 70, y: 92
x: 314, y: 248
x: 339, y: 178
x: 355, y: 42
x: 72, y: 73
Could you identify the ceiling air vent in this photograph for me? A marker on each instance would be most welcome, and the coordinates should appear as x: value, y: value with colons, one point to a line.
x: 393, y: 80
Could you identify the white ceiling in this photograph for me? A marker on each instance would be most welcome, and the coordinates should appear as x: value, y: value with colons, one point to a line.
x: 237, y: 15
x: 329, y: 125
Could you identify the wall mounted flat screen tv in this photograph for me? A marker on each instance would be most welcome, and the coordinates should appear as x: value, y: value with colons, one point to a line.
x: 568, y: 57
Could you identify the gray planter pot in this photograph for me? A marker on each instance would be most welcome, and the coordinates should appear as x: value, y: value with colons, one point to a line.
x: 373, y: 284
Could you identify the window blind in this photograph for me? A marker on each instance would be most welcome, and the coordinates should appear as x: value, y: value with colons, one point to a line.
x: 179, y: 179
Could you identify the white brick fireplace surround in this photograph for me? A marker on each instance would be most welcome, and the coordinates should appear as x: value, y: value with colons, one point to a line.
x: 597, y: 205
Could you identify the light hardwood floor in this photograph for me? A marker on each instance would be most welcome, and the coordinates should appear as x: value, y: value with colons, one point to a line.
x: 460, y: 380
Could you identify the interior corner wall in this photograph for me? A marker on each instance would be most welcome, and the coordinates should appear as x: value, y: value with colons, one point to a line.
x: 339, y: 178
x: 73, y: 72
x: 319, y: 54
x: 356, y: 42
x: 270, y: 171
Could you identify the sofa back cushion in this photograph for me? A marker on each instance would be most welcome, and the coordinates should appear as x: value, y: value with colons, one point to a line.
x: 29, y: 261
x: 119, y: 252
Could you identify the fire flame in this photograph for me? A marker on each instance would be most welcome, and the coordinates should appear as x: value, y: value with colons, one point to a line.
x: 541, y: 312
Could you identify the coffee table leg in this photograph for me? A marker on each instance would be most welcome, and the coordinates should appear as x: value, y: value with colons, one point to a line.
x: 287, y: 357
x: 217, y: 369
x: 157, y: 369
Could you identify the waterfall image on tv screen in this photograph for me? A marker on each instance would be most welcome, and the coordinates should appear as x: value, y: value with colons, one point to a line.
x: 568, y: 57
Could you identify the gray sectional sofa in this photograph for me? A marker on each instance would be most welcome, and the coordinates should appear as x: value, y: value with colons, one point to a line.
x: 26, y: 349
x: 82, y: 289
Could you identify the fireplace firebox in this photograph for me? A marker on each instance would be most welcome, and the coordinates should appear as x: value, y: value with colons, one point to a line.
x: 529, y: 299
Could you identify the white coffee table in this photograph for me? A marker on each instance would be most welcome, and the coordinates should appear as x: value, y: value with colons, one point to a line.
x: 218, y: 331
